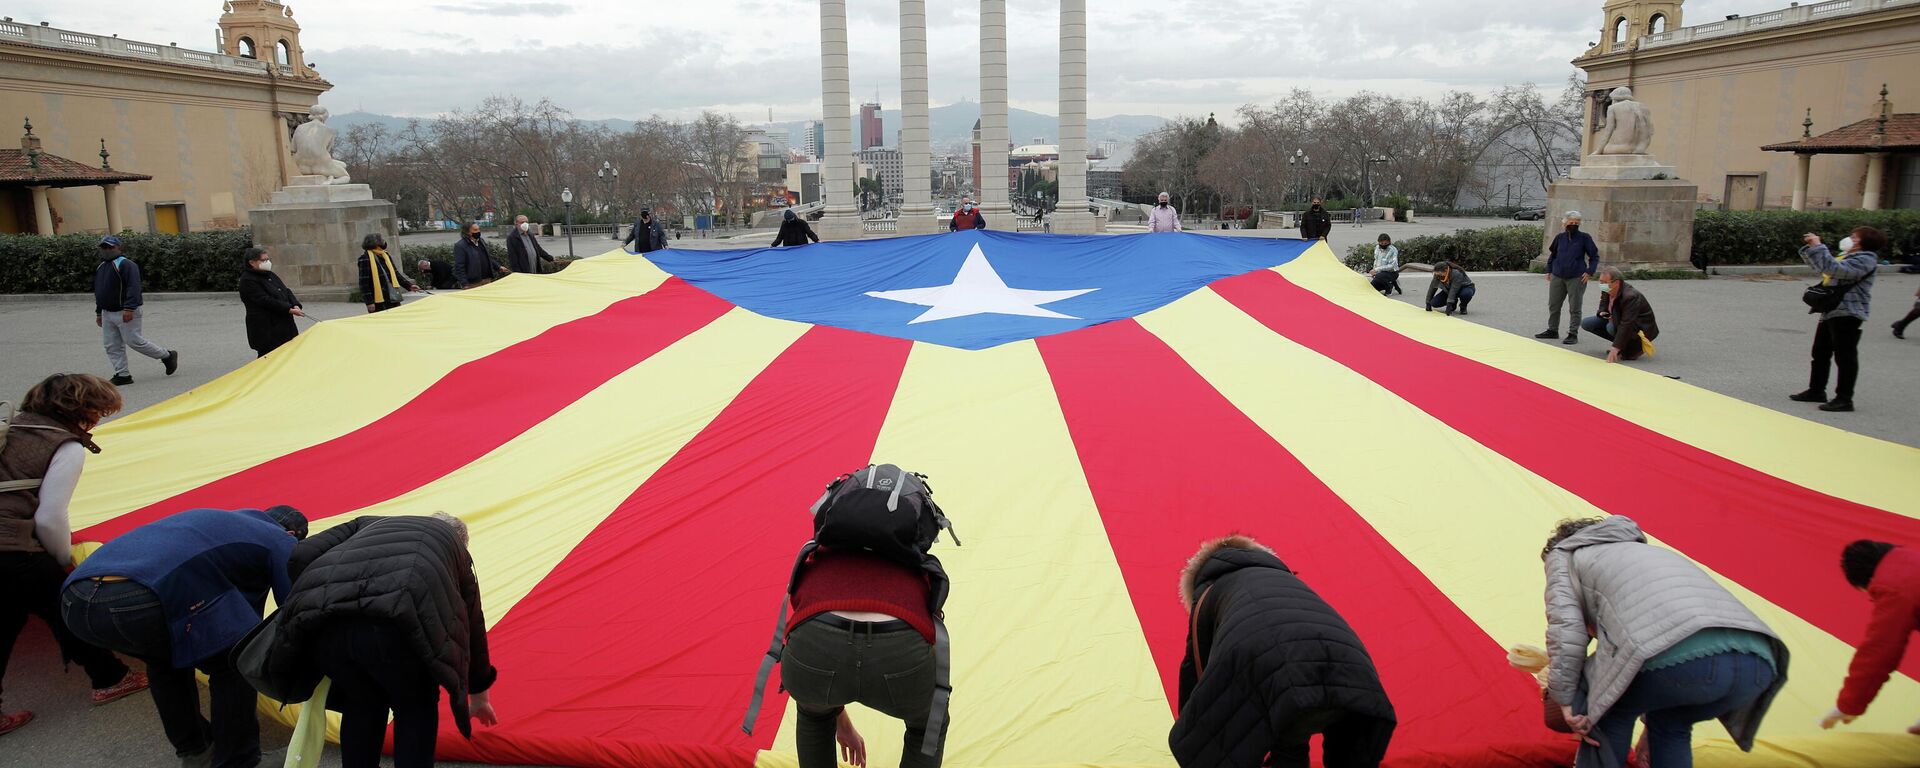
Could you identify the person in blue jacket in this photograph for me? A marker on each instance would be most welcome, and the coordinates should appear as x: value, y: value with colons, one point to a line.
x: 178, y: 593
x: 1571, y: 261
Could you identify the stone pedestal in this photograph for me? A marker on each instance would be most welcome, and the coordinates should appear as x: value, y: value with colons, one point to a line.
x: 1621, y: 168
x: 1637, y: 224
x: 315, y: 232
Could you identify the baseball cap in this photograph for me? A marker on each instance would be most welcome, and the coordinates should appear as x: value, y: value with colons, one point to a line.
x: 110, y: 241
x: 289, y: 519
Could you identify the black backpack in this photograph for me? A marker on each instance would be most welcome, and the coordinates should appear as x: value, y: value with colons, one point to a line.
x: 888, y: 512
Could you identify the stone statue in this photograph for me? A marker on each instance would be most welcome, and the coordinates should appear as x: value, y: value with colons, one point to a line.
x: 1629, y: 127
x: 313, y: 149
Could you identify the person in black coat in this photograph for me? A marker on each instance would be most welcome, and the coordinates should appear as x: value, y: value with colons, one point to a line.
x: 524, y: 252
x: 389, y: 609
x: 438, y: 273
x: 1284, y: 667
x: 794, y: 231
x: 271, y: 306
x: 1316, y: 223
x: 380, y: 275
x: 473, y: 264
x: 647, y: 234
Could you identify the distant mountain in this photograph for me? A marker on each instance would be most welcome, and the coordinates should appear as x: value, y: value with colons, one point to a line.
x: 397, y: 124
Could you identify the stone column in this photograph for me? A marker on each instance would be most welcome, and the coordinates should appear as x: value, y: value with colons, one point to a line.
x: 841, y: 221
x: 42, y: 211
x: 112, y: 194
x: 1876, y: 178
x: 993, y: 115
x: 916, y: 156
x: 1802, y: 171
x: 1070, y: 215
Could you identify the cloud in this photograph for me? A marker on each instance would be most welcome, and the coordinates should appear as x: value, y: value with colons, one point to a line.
x: 506, y: 9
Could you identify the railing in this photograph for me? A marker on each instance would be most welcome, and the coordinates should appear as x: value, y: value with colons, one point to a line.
x: 1800, y: 14
x: 112, y: 46
x: 881, y: 225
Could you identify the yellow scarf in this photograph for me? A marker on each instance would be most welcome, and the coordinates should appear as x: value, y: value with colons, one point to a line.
x: 375, y: 259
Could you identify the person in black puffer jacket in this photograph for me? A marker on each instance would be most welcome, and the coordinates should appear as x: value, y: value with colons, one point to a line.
x: 271, y: 305
x: 1288, y: 667
x: 389, y: 608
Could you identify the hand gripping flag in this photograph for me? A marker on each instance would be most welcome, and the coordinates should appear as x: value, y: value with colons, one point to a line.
x: 1092, y: 408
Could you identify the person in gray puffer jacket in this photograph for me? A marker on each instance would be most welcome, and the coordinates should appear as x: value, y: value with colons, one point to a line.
x: 1673, y: 646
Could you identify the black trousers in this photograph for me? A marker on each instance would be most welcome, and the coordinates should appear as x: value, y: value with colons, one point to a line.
x: 1347, y: 741
x: 1836, y: 341
x: 30, y: 585
x: 128, y: 618
x: 831, y: 662
x: 374, y: 672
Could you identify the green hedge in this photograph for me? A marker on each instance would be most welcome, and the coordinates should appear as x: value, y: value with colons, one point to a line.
x: 1496, y: 249
x: 1773, y: 237
x: 196, y: 261
x: 412, y: 254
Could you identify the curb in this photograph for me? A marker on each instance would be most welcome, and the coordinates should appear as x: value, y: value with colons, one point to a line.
x: 1761, y: 269
x: 315, y: 294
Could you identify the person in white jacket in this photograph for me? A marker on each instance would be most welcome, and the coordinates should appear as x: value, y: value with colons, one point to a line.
x: 1163, y: 218
x: 1386, y: 267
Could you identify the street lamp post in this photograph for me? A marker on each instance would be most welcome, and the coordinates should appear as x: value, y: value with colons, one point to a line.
x: 1302, y: 165
x: 609, y: 176
x: 566, y: 199
x: 1369, y: 176
x: 511, y: 178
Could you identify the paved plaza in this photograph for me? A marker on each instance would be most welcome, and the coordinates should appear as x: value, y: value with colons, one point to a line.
x: 1743, y: 337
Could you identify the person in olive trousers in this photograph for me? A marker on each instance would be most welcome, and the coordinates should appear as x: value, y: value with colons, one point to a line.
x: 271, y: 305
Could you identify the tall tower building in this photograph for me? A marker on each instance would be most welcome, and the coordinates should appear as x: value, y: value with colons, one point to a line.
x: 263, y: 30
x: 1630, y: 20
x: 870, y: 129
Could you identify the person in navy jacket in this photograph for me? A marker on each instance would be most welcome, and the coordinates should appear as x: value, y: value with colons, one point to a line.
x: 178, y: 593
x: 1571, y: 261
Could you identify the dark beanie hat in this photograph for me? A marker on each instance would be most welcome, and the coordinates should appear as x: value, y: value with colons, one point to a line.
x: 289, y: 519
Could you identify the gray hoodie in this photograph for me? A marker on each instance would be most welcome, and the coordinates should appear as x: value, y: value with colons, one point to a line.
x: 1639, y: 600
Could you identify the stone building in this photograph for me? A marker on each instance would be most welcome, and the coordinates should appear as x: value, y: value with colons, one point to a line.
x: 210, y: 128
x: 1723, y: 90
x: 887, y: 166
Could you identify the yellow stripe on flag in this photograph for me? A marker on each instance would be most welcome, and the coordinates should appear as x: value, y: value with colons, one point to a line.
x: 334, y: 378
x: 1049, y: 662
x: 1470, y: 519
x: 1875, y: 472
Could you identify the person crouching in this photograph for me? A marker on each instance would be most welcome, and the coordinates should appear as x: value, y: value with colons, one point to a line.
x: 1624, y: 317
x: 1284, y: 664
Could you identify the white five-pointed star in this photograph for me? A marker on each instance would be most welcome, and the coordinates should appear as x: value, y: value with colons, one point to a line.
x: 978, y: 290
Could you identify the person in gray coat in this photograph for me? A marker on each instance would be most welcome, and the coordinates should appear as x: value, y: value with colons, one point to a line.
x: 1674, y: 646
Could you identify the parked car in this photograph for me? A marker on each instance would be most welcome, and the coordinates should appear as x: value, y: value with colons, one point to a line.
x: 1531, y: 214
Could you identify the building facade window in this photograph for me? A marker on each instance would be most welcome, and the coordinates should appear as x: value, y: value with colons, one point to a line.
x: 247, y: 50
x: 1657, y: 25
x: 282, y: 53
x: 1620, y: 30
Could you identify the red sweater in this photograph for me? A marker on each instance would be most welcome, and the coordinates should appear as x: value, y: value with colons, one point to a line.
x: 857, y: 581
x: 1895, y: 592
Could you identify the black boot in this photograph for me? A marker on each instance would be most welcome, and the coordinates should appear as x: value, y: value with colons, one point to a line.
x: 1838, y: 405
x: 1809, y: 396
x: 1547, y: 334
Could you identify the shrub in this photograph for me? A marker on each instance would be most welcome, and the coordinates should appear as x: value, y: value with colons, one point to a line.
x: 1773, y: 237
x: 195, y: 261
x: 1497, y: 249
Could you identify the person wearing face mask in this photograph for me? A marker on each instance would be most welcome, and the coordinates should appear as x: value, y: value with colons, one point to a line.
x: 968, y: 217
x: 380, y: 280
x: 1625, y: 318
x: 47, y: 444
x: 1317, y: 223
x: 647, y: 234
x: 1450, y: 288
x: 1836, y: 339
x: 1571, y: 260
x: 473, y: 264
x: 271, y: 306
x: 1386, y: 266
x: 794, y: 231
x: 1163, y: 218
x: 524, y: 253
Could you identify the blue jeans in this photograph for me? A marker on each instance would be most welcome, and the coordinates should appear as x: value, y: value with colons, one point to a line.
x: 1672, y: 700
x: 1598, y: 326
x: 1466, y: 295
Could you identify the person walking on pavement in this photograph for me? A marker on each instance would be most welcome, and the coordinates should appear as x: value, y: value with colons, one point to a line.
x: 1900, y: 325
x: 648, y: 235
x: 1836, y: 339
x: 44, y: 447
x: 178, y: 593
x: 473, y: 264
x: 524, y: 253
x: 271, y: 305
x: 794, y: 231
x: 116, y: 307
x: 1571, y: 261
x: 380, y: 280
x: 1162, y: 217
x: 1317, y: 223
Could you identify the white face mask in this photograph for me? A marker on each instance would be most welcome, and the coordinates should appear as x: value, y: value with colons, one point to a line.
x: 1604, y: 287
x: 266, y: 265
x: 523, y: 226
x: 1846, y: 244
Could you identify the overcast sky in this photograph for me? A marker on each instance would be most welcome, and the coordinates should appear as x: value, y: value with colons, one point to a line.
x: 632, y: 58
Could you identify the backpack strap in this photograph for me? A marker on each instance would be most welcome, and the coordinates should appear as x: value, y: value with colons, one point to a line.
x: 12, y: 486
x: 779, y: 644
x: 942, y: 689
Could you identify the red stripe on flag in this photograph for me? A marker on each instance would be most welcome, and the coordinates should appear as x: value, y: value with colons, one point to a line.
x: 474, y: 409
x: 1778, y: 539
x: 1172, y: 463
x: 641, y: 646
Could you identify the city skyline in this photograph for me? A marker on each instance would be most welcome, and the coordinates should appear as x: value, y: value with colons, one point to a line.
x: 423, y: 58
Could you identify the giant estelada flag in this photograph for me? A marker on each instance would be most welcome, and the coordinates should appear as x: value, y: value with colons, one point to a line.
x: 635, y: 444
